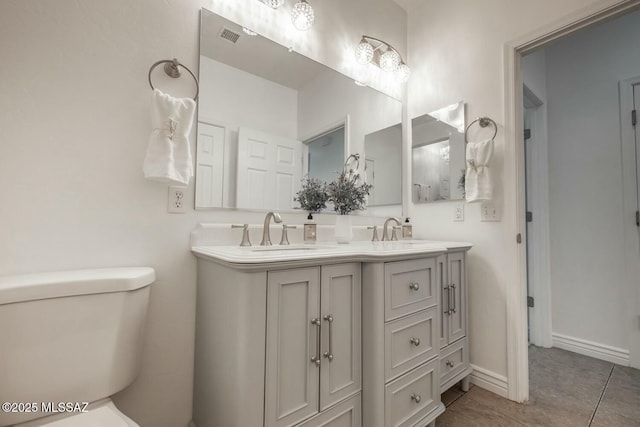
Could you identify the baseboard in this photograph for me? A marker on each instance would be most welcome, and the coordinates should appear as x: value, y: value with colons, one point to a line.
x: 592, y: 349
x: 490, y: 381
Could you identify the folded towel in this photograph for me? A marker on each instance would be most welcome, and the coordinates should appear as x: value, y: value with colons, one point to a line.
x: 169, y: 152
x: 477, y: 184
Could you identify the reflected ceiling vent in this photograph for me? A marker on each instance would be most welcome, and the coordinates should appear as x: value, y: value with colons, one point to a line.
x: 229, y: 35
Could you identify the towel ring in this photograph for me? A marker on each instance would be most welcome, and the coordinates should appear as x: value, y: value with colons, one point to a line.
x: 483, y: 122
x: 172, y: 70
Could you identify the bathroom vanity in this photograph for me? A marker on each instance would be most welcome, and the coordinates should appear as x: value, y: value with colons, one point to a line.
x: 365, y: 334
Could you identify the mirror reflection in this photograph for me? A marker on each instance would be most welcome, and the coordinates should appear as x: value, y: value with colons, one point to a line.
x: 267, y: 117
x: 438, y: 155
x: 383, y: 161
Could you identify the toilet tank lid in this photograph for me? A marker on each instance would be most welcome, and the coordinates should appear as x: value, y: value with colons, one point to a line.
x: 30, y: 287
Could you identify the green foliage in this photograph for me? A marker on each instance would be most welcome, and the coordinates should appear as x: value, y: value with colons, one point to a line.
x: 348, y: 192
x: 313, y: 195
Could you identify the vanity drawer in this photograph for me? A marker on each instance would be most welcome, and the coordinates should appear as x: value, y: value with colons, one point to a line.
x: 453, y: 360
x: 409, y: 286
x: 409, y: 342
x: 412, y: 396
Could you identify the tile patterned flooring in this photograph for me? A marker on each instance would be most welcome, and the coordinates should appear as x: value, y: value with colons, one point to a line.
x: 566, y: 390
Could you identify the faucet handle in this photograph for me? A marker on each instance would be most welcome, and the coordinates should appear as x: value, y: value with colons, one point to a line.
x: 285, y: 238
x: 245, y: 233
x: 374, y: 238
x: 394, y: 232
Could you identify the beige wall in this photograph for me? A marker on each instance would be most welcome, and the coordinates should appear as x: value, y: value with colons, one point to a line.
x: 74, y: 114
x: 456, y: 53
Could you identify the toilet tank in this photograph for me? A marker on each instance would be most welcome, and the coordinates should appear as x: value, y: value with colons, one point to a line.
x: 72, y: 336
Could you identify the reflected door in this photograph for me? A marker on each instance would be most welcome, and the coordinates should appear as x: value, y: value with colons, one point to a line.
x: 269, y: 170
x: 210, y: 165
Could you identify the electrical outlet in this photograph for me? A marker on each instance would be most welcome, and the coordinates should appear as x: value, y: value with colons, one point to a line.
x: 458, y: 212
x: 177, y: 200
x: 489, y: 211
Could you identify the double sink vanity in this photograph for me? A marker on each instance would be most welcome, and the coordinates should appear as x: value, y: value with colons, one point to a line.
x: 360, y: 334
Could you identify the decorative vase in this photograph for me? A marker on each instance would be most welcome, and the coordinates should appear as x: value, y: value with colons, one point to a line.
x: 344, y: 233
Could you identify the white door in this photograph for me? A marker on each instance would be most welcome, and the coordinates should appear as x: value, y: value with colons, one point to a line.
x: 636, y: 108
x: 269, y: 170
x: 209, y: 166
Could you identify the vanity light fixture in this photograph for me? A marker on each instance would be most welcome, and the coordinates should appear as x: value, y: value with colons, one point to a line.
x: 302, y: 14
x: 273, y: 4
x: 383, y: 55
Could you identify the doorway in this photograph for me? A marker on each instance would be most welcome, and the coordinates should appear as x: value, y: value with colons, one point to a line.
x: 516, y: 170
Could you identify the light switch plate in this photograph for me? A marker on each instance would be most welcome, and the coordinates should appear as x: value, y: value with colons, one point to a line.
x: 490, y: 212
x: 458, y: 212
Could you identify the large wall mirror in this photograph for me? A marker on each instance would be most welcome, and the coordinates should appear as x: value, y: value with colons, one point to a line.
x: 438, y: 155
x: 268, y: 116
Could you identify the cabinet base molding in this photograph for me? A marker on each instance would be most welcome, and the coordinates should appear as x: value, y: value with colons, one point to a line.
x: 489, y: 380
x: 429, y: 419
x: 454, y: 380
x: 591, y: 349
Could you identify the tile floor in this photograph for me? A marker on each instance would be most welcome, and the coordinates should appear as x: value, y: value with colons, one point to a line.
x: 566, y: 390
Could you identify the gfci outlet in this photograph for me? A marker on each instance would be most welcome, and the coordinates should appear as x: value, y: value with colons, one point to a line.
x: 458, y: 212
x: 177, y: 202
x: 489, y: 211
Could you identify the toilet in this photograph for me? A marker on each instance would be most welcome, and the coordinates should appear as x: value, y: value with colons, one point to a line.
x: 68, y: 341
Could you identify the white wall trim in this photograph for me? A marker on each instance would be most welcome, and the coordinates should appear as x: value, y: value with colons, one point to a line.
x: 592, y: 349
x: 489, y: 380
x: 514, y: 177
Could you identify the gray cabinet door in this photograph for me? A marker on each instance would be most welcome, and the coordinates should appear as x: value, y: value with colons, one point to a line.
x: 457, y: 281
x: 442, y: 277
x: 293, y: 339
x: 340, y: 371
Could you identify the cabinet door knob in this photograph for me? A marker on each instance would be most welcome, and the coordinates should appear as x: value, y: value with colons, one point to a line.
x: 414, y: 286
x: 450, y: 363
x: 415, y: 341
x: 416, y: 398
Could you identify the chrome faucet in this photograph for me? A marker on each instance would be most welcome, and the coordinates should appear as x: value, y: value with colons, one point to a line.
x: 385, y: 231
x: 266, y: 236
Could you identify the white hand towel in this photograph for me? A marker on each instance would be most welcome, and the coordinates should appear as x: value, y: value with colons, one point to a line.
x: 169, y: 152
x: 477, y: 184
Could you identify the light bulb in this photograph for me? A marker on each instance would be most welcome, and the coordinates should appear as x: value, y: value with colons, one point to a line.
x: 302, y: 15
x: 390, y: 60
x: 274, y: 4
x: 364, y: 52
x: 403, y: 72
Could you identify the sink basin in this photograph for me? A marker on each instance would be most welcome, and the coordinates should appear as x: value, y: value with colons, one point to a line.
x: 284, y: 248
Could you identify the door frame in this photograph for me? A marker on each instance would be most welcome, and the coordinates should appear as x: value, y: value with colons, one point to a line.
x: 537, y: 241
x: 630, y: 192
x: 514, y: 178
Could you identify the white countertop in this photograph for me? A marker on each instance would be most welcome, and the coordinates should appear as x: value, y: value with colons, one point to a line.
x: 296, y: 254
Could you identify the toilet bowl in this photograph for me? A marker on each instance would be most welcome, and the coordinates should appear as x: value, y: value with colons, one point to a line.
x: 72, y: 337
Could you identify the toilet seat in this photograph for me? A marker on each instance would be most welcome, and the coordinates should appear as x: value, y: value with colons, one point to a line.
x: 100, y: 414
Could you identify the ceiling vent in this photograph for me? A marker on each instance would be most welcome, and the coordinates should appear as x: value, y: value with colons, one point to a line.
x: 229, y: 35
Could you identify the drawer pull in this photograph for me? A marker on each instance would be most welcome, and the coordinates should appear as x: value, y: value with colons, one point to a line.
x: 416, y: 398
x: 450, y: 364
x: 414, y: 286
x: 329, y: 354
x: 415, y: 341
x: 316, y: 358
